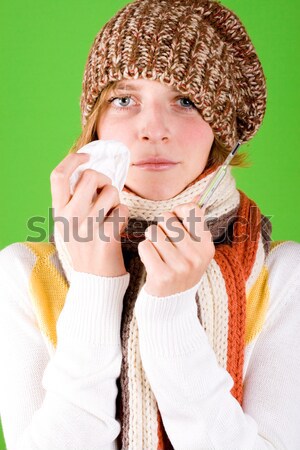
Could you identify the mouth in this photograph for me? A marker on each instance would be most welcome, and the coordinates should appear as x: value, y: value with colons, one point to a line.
x: 155, y: 163
x: 155, y: 166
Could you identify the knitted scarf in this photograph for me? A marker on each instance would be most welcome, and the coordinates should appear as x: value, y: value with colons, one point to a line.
x: 241, y: 236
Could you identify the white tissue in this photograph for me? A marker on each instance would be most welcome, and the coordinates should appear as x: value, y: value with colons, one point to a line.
x: 112, y: 158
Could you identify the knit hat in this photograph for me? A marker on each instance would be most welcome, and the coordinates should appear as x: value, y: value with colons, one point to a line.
x: 197, y: 46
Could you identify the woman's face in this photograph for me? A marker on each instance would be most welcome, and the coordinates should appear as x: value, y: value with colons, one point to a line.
x: 156, y: 121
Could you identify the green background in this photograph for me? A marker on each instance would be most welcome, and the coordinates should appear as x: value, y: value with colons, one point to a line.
x: 44, y: 47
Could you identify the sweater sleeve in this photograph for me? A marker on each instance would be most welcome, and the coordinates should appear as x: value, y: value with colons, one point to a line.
x: 193, y: 391
x: 67, y: 402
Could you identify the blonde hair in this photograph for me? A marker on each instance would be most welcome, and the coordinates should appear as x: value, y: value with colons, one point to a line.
x: 218, y: 151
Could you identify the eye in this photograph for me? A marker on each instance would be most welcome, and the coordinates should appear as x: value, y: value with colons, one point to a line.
x: 186, y: 103
x: 120, y: 102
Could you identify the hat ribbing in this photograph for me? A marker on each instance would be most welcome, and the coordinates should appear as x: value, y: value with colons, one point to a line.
x: 199, y: 47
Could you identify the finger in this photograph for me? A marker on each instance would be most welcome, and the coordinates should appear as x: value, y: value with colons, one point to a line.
x: 106, y: 201
x: 59, y: 178
x: 173, y: 228
x: 177, y: 257
x: 116, y: 221
x: 162, y: 244
x: 182, y: 255
x: 192, y: 218
x: 123, y: 212
x: 150, y: 257
x: 85, y: 192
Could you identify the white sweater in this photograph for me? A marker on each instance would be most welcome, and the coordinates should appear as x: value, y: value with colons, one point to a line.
x: 67, y: 402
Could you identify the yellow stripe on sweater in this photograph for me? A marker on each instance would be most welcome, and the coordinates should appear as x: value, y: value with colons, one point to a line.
x: 48, y: 289
x: 257, y: 305
x: 275, y: 244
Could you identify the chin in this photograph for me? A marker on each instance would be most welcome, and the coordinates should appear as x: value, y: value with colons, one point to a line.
x: 155, y: 195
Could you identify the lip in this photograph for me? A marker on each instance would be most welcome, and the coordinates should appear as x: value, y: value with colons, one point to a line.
x: 154, y: 160
x: 157, y: 167
x: 155, y: 163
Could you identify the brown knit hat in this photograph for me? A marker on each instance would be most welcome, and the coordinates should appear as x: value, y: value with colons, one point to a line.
x: 198, y: 46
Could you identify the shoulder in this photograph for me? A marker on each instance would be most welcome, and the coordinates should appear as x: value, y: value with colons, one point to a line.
x: 22, y: 257
x: 19, y: 262
x: 283, y: 269
x: 283, y: 265
x: 16, y: 262
x: 19, y: 258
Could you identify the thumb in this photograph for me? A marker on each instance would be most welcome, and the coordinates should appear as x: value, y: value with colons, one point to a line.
x: 124, y: 215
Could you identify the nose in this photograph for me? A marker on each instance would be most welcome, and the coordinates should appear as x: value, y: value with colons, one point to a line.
x: 153, y: 125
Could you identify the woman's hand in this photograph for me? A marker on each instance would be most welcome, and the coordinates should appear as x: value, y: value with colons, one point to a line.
x: 91, y: 220
x: 176, y: 260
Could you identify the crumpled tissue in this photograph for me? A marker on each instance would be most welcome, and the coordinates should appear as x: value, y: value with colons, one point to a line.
x: 112, y: 158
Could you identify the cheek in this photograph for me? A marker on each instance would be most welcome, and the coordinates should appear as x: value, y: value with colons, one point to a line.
x: 194, y: 133
x: 108, y: 129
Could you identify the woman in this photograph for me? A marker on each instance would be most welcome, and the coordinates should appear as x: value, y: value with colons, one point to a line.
x: 186, y: 339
